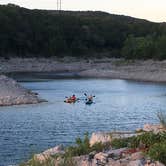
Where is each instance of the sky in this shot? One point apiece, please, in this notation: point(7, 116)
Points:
point(153, 10)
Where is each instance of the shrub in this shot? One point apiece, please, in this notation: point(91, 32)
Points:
point(162, 118)
point(82, 147)
point(158, 152)
point(34, 162)
point(67, 161)
point(120, 143)
point(145, 139)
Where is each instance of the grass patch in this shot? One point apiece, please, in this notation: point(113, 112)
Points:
point(83, 147)
point(158, 152)
point(162, 118)
point(35, 162)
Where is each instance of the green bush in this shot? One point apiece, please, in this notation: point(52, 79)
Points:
point(82, 147)
point(121, 143)
point(34, 162)
point(146, 139)
point(158, 152)
point(162, 118)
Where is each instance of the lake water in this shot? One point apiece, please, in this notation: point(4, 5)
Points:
point(119, 105)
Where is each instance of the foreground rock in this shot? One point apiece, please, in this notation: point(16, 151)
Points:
point(118, 157)
point(12, 93)
point(42, 157)
point(127, 156)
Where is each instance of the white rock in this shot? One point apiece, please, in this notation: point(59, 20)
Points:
point(100, 137)
point(101, 156)
point(153, 128)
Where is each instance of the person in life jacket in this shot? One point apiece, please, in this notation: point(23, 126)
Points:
point(90, 98)
point(73, 97)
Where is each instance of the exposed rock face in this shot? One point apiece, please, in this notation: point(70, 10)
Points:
point(100, 137)
point(42, 157)
point(117, 157)
point(104, 137)
point(12, 93)
point(153, 128)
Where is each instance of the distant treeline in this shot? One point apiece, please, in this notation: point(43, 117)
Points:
point(44, 33)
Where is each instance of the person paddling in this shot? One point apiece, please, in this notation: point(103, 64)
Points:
point(90, 98)
point(73, 98)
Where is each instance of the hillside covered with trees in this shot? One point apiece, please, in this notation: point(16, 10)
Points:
point(44, 33)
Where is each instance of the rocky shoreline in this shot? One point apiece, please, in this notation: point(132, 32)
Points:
point(148, 70)
point(124, 156)
point(12, 93)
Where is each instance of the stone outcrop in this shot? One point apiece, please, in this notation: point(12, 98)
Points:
point(153, 128)
point(42, 157)
point(104, 137)
point(100, 137)
point(12, 93)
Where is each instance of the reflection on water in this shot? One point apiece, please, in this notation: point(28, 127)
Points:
point(119, 105)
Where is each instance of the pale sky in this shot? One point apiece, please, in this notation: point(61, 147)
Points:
point(153, 10)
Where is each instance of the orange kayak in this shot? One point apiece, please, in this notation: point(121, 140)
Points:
point(69, 101)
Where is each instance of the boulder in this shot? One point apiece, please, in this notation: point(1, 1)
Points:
point(100, 137)
point(137, 156)
point(105, 137)
point(116, 153)
point(42, 157)
point(136, 163)
point(101, 158)
point(112, 162)
point(153, 128)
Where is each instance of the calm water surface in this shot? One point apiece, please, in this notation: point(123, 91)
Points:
point(119, 105)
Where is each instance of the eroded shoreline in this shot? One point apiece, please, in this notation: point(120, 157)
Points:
point(139, 70)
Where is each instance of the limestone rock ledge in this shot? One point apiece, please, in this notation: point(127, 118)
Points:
point(12, 93)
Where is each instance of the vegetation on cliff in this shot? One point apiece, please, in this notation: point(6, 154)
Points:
point(149, 143)
point(42, 33)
